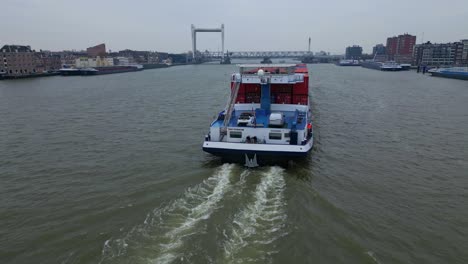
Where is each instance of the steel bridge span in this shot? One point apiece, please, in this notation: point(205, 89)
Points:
point(270, 54)
point(256, 54)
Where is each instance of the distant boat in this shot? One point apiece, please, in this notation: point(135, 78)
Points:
point(100, 70)
point(75, 71)
point(382, 66)
point(308, 59)
point(226, 60)
point(266, 60)
point(391, 66)
point(349, 63)
point(460, 73)
point(405, 67)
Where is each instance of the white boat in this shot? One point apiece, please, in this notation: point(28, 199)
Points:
point(268, 116)
point(405, 66)
point(391, 66)
point(349, 63)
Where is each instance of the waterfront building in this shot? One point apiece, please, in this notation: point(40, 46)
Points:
point(379, 49)
point(461, 53)
point(141, 57)
point(400, 49)
point(406, 43)
point(49, 61)
point(18, 60)
point(68, 57)
point(379, 53)
point(98, 50)
point(434, 54)
point(123, 61)
point(441, 54)
point(392, 46)
point(353, 52)
point(94, 62)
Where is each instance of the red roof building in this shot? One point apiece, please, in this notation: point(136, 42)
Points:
point(401, 48)
point(99, 50)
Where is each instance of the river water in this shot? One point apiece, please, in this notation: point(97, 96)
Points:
point(109, 169)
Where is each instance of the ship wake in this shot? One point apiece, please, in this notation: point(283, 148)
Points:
point(165, 229)
point(259, 223)
point(253, 210)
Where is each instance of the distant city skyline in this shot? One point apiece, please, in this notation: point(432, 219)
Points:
point(250, 25)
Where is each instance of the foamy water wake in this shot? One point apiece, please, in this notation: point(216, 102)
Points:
point(166, 228)
point(259, 223)
point(198, 204)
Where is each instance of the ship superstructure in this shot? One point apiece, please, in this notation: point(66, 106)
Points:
point(267, 118)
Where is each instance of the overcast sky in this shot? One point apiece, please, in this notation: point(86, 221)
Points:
point(249, 24)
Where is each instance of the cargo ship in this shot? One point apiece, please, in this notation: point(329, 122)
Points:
point(382, 66)
point(349, 63)
point(118, 69)
point(99, 70)
point(268, 118)
point(27, 76)
point(460, 73)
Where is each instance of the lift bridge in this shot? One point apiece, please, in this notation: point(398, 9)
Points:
point(210, 55)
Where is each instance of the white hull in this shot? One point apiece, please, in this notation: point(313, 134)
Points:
point(297, 150)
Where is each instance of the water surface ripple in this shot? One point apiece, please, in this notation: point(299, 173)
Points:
point(109, 169)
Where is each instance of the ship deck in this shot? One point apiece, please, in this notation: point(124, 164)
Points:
point(262, 120)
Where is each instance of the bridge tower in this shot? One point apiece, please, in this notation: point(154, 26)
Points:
point(194, 38)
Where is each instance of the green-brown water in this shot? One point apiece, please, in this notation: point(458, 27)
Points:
point(109, 169)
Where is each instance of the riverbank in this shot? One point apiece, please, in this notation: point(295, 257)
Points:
point(145, 67)
point(38, 75)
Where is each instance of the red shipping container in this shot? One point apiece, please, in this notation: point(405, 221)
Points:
point(252, 88)
point(252, 98)
point(240, 99)
point(300, 99)
point(300, 88)
point(281, 88)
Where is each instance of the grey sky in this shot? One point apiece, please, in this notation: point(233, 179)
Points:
point(249, 24)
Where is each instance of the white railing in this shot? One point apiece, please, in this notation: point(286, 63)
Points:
point(273, 78)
